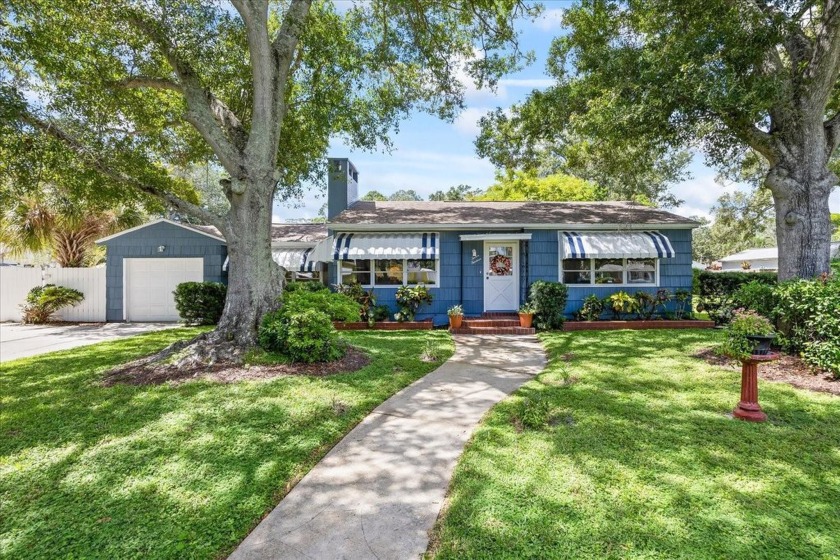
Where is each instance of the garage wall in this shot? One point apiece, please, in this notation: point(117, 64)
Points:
point(179, 242)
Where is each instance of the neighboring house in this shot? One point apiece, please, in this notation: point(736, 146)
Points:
point(761, 260)
point(145, 264)
point(482, 255)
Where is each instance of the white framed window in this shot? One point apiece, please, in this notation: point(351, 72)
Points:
point(610, 272)
point(384, 273)
point(294, 276)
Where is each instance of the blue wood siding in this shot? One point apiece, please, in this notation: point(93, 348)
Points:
point(462, 278)
point(143, 243)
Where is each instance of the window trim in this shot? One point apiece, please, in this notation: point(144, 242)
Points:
point(372, 273)
point(624, 283)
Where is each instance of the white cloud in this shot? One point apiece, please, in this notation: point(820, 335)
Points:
point(537, 83)
point(550, 19)
point(467, 121)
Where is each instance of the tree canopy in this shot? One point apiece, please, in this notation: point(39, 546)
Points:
point(742, 220)
point(641, 82)
point(527, 185)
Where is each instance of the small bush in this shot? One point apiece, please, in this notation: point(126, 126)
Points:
point(410, 298)
point(307, 336)
point(200, 303)
point(755, 296)
point(717, 289)
point(43, 301)
point(380, 312)
point(682, 308)
point(809, 321)
point(292, 287)
point(357, 293)
point(311, 337)
point(337, 307)
point(592, 308)
point(549, 301)
point(622, 304)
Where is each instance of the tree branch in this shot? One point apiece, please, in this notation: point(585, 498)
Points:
point(203, 109)
point(148, 82)
point(760, 141)
point(284, 45)
point(98, 164)
point(824, 63)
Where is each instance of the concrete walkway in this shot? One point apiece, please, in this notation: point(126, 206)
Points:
point(23, 341)
point(378, 492)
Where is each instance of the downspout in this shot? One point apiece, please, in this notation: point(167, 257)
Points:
point(461, 282)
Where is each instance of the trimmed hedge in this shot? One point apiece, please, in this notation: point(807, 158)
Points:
point(549, 301)
point(717, 291)
point(200, 303)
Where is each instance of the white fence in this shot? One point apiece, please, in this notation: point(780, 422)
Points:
point(15, 283)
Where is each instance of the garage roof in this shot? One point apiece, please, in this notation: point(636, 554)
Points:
point(280, 233)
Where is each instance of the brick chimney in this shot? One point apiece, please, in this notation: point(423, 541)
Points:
point(342, 186)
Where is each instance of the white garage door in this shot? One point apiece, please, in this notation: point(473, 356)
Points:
point(149, 284)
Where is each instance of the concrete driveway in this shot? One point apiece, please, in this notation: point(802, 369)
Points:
point(23, 341)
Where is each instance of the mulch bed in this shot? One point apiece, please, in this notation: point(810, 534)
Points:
point(787, 369)
point(353, 360)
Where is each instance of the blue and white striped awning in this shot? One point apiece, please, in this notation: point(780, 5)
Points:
point(348, 246)
point(297, 260)
point(615, 245)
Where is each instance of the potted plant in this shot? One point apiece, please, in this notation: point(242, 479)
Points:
point(526, 315)
point(456, 316)
point(749, 334)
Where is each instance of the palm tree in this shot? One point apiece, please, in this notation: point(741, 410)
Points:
point(65, 227)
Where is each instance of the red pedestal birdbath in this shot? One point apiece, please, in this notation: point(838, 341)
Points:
point(748, 408)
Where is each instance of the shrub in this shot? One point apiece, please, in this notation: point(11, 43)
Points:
point(744, 323)
point(311, 337)
point(717, 289)
point(305, 336)
point(380, 312)
point(549, 301)
point(683, 304)
point(592, 308)
point(410, 298)
point(757, 297)
point(647, 304)
point(338, 307)
point(357, 293)
point(808, 318)
point(200, 303)
point(535, 412)
point(622, 304)
point(43, 301)
point(304, 287)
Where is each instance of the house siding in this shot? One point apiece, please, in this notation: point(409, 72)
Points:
point(143, 243)
point(462, 277)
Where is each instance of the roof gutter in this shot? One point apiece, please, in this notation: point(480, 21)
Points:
point(503, 227)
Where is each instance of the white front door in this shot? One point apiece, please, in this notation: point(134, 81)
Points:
point(501, 275)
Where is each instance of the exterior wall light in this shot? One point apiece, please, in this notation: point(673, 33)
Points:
point(161, 248)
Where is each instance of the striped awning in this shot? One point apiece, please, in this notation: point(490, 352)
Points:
point(297, 260)
point(348, 246)
point(615, 245)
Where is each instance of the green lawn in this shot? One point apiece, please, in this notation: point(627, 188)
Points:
point(640, 460)
point(169, 471)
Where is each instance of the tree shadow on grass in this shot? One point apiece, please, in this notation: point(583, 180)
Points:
point(650, 465)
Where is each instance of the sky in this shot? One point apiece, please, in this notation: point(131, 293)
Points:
point(430, 154)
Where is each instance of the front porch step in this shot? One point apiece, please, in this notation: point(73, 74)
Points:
point(490, 322)
point(493, 330)
point(510, 315)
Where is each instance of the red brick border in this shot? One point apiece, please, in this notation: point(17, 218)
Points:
point(385, 326)
point(635, 325)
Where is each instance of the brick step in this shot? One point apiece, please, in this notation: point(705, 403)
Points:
point(493, 330)
point(504, 315)
point(490, 322)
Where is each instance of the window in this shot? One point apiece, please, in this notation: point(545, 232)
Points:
point(617, 272)
point(389, 272)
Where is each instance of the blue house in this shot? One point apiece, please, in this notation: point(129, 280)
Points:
point(481, 255)
point(485, 255)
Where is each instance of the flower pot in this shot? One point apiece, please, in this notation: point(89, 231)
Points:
point(761, 343)
point(455, 321)
point(525, 320)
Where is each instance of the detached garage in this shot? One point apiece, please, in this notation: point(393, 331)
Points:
point(146, 263)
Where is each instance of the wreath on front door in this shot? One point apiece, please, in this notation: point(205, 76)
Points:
point(500, 265)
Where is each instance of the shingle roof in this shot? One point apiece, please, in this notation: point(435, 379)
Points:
point(280, 233)
point(506, 213)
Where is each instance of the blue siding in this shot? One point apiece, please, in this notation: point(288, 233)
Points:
point(179, 242)
point(542, 258)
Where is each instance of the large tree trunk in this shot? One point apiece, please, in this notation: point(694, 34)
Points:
point(255, 281)
point(801, 183)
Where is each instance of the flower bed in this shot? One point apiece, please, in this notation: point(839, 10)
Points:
point(636, 325)
point(385, 325)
